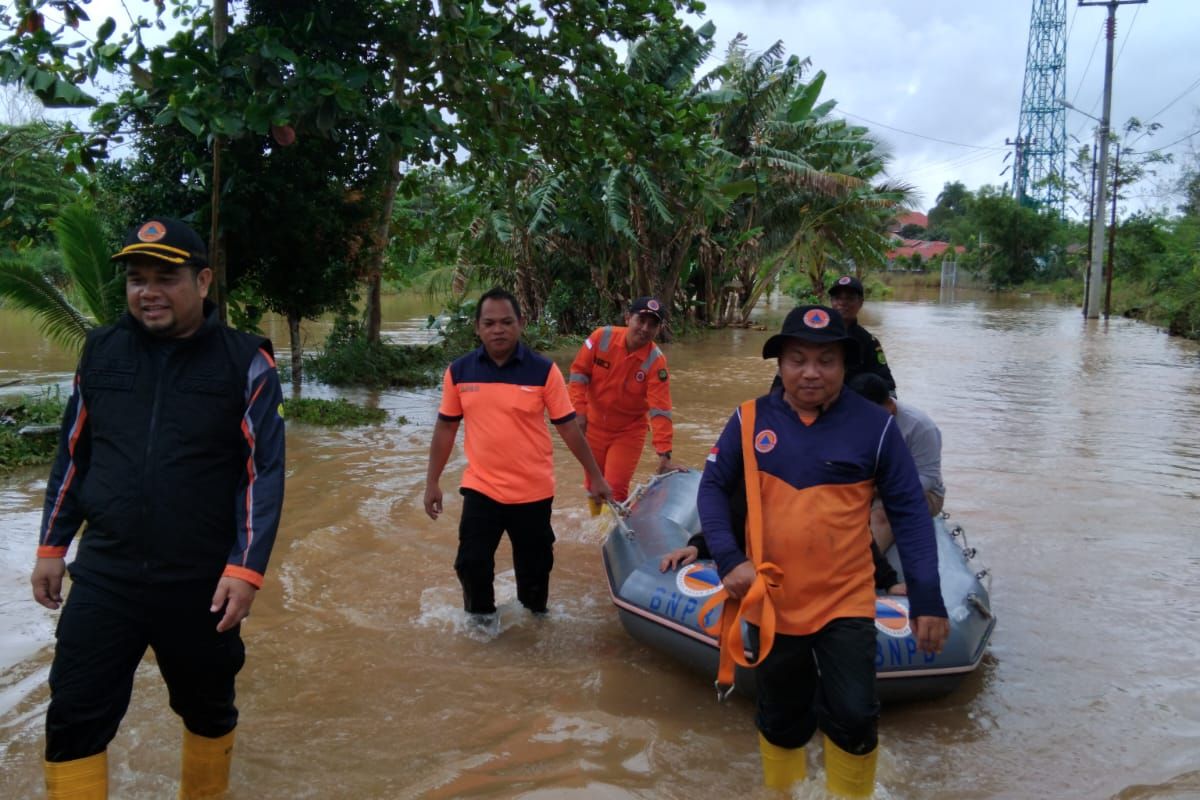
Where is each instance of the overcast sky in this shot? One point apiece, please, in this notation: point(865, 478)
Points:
point(954, 70)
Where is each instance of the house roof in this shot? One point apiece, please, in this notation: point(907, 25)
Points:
point(909, 218)
point(926, 250)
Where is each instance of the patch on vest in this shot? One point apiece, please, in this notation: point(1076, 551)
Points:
point(639, 376)
point(765, 442)
point(662, 374)
point(600, 362)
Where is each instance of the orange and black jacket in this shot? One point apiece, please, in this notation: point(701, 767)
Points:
point(172, 453)
point(816, 482)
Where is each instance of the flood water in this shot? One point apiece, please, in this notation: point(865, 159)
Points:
point(1072, 458)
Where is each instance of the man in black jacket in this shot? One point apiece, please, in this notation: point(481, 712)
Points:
point(846, 295)
point(172, 454)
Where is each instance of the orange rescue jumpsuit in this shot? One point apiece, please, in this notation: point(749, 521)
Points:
point(615, 391)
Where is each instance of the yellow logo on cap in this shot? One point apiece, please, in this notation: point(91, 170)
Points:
point(152, 231)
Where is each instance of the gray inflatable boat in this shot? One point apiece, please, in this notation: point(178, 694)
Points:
point(662, 609)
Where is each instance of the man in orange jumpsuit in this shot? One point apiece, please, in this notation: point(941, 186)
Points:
point(618, 380)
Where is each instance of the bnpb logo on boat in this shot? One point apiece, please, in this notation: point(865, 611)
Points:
point(698, 580)
point(891, 618)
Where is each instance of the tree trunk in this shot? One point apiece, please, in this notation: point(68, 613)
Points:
point(293, 320)
point(762, 284)
point(383, 229)
point(220, 25)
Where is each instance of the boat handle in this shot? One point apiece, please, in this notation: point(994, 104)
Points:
point(619, 514)
point(980, 606)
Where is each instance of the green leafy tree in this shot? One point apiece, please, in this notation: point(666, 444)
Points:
point(35, 181)
point(950, 218)
point(1017, 239)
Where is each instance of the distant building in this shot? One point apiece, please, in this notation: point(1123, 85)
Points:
point(928, 251)
point(908, 218)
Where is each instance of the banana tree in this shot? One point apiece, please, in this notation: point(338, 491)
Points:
point(96, 284)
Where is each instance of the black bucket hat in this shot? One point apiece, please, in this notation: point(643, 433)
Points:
point(819, 324)
point(165, 239)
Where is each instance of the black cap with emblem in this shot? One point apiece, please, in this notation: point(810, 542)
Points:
point(165, 239)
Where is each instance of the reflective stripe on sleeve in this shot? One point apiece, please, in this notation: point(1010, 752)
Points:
point(655, 354)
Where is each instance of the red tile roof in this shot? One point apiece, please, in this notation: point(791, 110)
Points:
point(926, 250)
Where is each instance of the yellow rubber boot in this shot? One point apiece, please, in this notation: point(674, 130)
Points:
point(848, 775)
point(205, 765)
point(782, 766)
point(79, 779)
point(595, 506)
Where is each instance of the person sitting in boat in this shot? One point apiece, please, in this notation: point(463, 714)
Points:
point(811, 456)
point(924, 441)
point(618, 381)
point(886, 578)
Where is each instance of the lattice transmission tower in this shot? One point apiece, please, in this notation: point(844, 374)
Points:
point(1041, 154)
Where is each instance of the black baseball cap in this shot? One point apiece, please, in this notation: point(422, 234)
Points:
point(847, 283)
point(819, 324)
point(647, 305)
point(165, 239)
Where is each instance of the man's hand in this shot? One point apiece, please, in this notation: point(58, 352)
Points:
point(739, 580)
point(47, 581)
point(600, 491)
point(236, 596)
point(931, 633)
point(433, 500)
point(678, 558)
point(665, 464)
point(898, 588)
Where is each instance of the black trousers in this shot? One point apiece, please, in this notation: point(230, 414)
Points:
point(823, 680)
point(102, 636)
point(528, 526)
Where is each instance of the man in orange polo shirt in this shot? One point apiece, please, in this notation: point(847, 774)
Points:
point(618, 379)
point(504, 390)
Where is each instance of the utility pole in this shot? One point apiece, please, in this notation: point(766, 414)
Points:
point(1019, 167)
point(1087, 276)
point(1096, 273)
point(1112, 234)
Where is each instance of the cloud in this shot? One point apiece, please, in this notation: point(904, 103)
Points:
point(954, 71)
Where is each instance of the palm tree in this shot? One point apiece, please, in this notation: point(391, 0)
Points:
point(95, 282)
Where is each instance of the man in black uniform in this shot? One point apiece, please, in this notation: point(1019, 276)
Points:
point(171, 453)
point(846, 295)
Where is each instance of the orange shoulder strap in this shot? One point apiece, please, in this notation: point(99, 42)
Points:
point(768, 579)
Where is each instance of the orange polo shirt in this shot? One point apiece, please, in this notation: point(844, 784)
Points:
point(616, 389)
point(510, 457)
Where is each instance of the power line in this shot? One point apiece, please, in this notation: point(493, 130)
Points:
point(1079, 88)
point(954, 163)
point(1182, 95)
point(920, 135)
point(1172, 144)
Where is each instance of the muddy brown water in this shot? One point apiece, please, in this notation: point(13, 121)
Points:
point(1072, 458)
